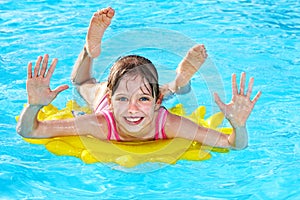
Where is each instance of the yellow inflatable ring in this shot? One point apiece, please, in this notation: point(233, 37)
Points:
point(129, 154)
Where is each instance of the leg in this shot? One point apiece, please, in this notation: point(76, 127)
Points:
point(81, 74)
point(82, 68)
point(99, 23)
point(190, 64)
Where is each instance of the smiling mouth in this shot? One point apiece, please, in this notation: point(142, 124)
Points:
point(133, 120)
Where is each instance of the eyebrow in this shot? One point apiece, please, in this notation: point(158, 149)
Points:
point(144, 91)
point(120, 94)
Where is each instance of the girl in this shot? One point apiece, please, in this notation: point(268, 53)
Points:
point(92, 91)
point(130, 108)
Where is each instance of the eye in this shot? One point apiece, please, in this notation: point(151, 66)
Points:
point(123, 99)
point(144, 99)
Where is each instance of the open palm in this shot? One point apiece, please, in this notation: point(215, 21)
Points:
point(38, 89)
point(241, 106)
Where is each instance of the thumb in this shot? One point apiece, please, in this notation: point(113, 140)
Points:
point(60, 89)
point(219, 102)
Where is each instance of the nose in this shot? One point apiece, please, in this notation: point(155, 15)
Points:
point(133, 108)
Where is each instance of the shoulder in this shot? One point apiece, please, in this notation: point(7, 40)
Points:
point(171, 116)
point(173, 122)
point(102, 120)
point(103, 125)
point(99, 92)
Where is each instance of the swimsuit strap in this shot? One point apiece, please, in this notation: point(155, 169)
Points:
point(111, 124)
point(160, 124)
point(112, 130)
point(103, 105)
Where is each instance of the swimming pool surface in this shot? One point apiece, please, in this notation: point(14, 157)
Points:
point(261, 38)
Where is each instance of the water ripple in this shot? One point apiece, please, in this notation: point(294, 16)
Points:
point(259, 37)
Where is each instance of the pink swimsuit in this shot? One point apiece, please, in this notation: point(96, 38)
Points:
point(112, 129)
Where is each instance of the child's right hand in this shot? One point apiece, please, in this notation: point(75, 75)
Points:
point(38, 89)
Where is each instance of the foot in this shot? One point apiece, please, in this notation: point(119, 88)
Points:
point(190, 64)
point(99, 23)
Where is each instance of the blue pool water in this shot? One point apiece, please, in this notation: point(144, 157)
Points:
point(261, 38)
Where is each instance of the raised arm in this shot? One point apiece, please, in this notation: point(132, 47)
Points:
point(81, 75)
point(39, 95)
point(237, 112)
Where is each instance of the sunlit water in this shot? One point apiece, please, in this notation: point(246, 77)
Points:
point(258, 37)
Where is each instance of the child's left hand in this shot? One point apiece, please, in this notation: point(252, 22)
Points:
point(240, 107)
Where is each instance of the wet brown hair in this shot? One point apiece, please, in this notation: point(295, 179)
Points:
point(134, 65)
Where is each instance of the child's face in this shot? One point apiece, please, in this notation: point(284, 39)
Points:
point(133, 106)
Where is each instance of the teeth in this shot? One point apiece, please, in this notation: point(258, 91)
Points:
point(133, 119)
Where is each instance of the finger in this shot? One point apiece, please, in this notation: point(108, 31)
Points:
point(60, 89)
point(242, 83)
point(29, 70)
point(44, 65)
point(250, 86)
point(203, 52)
point(200, 48)
point(37, 66)
point(234, 86)
point(255, 99)
point(219, 102)
point(52, 68)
